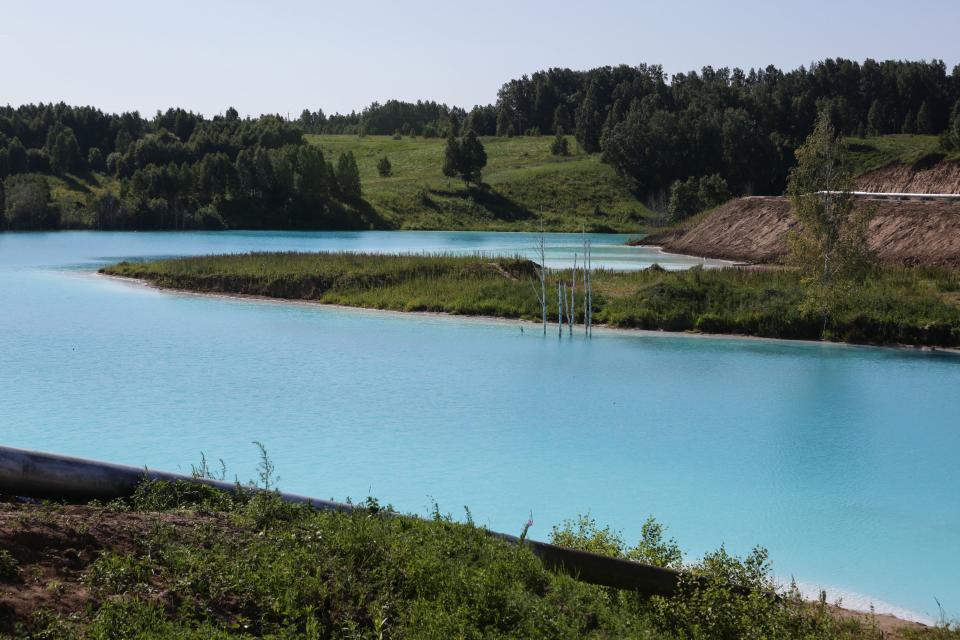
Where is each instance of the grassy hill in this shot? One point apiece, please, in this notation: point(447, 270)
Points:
point(521, 174)
point(867, 154)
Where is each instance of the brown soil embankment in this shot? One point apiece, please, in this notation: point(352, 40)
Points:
point(925, 176)
point(755, 230)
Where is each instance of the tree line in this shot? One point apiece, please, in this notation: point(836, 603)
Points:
point(176, 171)
point(743, 126)
point(683, 141)
point(655, 130)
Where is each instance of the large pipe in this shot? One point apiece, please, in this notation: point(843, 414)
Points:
point(43, 475)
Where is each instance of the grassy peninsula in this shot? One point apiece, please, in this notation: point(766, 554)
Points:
point(182, 560)
point(899, 305)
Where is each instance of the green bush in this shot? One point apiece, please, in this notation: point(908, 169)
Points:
point(9, 568)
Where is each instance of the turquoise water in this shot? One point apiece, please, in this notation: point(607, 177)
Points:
point(843, 461)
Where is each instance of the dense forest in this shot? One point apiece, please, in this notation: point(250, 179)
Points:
point(176, 171)
point(655, 130)
point(181, 170)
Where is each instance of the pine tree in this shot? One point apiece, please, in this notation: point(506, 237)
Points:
point(924, 120)
point(875, 119)
point(348, 176)
point(473, 158)
point(560, 146)
point(465, 158)
point(384, 168)
point(451, 157)
point(909, 123)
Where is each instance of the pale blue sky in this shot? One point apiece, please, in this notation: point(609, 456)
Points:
point(277, 56)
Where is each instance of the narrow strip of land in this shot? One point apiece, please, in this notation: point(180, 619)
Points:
point(906, 306)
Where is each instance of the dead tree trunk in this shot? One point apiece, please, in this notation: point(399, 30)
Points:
point(559, 309)
point(541, 271)
point(573, 294)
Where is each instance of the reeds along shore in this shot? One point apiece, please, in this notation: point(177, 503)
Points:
point(897, 305)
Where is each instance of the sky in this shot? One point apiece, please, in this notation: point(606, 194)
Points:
point(283, 56)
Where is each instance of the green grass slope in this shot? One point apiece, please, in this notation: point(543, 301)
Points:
point(867, 154)
point(522, 176)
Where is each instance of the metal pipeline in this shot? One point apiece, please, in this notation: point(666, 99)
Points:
point(43, 475)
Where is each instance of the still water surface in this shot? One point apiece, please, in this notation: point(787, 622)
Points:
point(843, 461)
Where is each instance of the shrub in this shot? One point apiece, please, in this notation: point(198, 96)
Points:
point(113, 574)
point(384, 168)
point(560, 146)
point(9, 568)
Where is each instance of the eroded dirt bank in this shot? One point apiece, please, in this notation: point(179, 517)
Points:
point(755, 229)
point(922, 177)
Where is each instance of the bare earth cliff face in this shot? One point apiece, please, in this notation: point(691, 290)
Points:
point(754, 229)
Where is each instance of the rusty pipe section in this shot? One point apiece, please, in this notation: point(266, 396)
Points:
point(43, 475)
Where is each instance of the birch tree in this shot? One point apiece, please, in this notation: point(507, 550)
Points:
point(831, 247)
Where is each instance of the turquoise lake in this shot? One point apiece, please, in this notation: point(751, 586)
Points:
point(843, 461)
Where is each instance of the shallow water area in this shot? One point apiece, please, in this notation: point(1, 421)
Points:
point(841, 460)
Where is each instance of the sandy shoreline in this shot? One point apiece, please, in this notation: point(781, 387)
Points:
point(524, 324)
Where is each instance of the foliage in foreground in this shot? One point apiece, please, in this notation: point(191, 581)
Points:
point(895, 305)
point(253, 566)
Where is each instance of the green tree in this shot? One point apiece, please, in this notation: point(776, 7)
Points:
point(831, 247)
point(95, 159)
point(451, 157)
point(925, 120)
point(560, 146)
point(64, 152)
point(590, 120)
point(465, 158)
point(712, 191)
point(474, 157)
point(384, 168)
point(950, 139)
point(876, 119)
point(684, 199)
point(562, 121)
point(217, 175)
point(909, 123)
point(17, 157)
point(311, 181)
point(28, 203)
point(348, 176)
